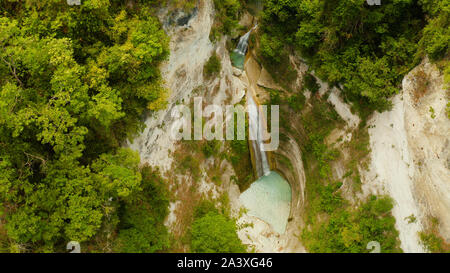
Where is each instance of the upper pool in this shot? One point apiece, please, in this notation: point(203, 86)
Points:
point(237, 59)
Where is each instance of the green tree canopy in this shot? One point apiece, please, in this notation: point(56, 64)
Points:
point(74, 84)
point(367, 49)
point(214, 233)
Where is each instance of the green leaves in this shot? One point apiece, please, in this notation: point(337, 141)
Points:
point(149, 41)
point(349, 230)
point(271, 47)
point(227, 14)
point(142, 228)
point(106, 106)
point(214, 233)
point(436, 36)
point(366, 49)
point(212, 66)
point(9, 98)
point(74, 82)
point(373, 80)
point(7, 177)
point(118, 173)
point(308, 35)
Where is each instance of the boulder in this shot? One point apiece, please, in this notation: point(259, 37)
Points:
point(237, 72)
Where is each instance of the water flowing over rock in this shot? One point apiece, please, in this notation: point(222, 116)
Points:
point(270, 226)
point(238, 55)
point(256, 132)
point(243, 43)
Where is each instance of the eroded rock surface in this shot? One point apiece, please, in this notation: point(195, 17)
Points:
point(410, 155)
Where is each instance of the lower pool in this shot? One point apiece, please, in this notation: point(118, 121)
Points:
point(269, 199)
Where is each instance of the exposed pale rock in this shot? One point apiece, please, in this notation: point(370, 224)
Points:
point(73, 2)
point(253, 69)
point(266, 80)
point(343, 109)
point(237, 72)
point(410, 154)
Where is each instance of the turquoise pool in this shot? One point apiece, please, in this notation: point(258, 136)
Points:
point(237, 59)
point(269, 199)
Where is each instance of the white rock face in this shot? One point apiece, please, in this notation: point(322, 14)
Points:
point(392, 166)
point(190, 48)
point(429, 137)
point(410, 157)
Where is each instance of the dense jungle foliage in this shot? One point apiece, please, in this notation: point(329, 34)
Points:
point(74, 84)
point(364, 49)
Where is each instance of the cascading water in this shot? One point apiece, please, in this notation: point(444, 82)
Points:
point(269, 197)
point(256, 128)
point(243, 43)
point(238, 55)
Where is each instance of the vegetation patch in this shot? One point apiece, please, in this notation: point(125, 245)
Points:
point(75, 83)
point(238, 154)
point(214, 231)
point(212, 66)
point(141, 228)
point(431, 238)
point(367, 50)
point(227, 15)
point(332, 223)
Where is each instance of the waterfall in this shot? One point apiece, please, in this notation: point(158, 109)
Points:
point(243, 43)
point(238, 55)
point(256, 132)
point(269, 197)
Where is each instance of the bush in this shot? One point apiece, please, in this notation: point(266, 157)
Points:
point(310, 83)
point(212, 66)
point(215, 233)
point(211, 148)
point(367, 50)
point(349, 230)
point(296, 102)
